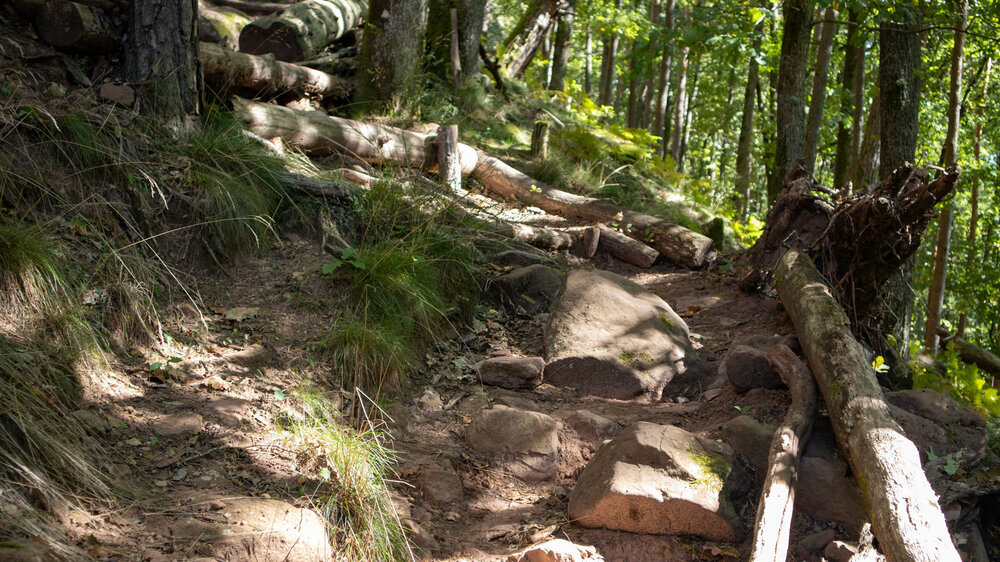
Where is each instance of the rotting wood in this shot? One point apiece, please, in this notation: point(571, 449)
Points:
point(69, 25)
point(380, 144)
point(590, 239)
point(627, 249)
point(229, 70)
point(906, 517)
point(302, 30)
point(777, 499)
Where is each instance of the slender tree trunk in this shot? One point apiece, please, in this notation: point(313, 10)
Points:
point(970, 240)
point(864, 169)
point(649, 85)
point(746, 128)
point(823, 54)
point(666, 62)
point(935, 297)
point(547, 49)
point(851, 95)
point(564, 33)
point(161, 60)
point(680, 98)
point(608, 62)
point(588, 66)
point(632, 112)
point(392, 49)
point(533, 28)
point(790, 133)
point(471, 14)
point(689, 115)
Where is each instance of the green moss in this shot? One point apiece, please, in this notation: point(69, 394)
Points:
point(667, 321)
point(714, 470)
point(634, 360)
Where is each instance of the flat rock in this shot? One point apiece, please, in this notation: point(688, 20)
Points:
point(120, 94)
point(825, 493)
point(591, 427)
point(935, 421)
point(610, 337)
point(557, 550)
point(658, 479)
point(526, 443)
point(270, 529)
point(746, 364)
point(440, 483)
point(230, 411)
point(517, 258)
point(532, 288)
point(750, 439)
point(511, 371)
point(176, 425)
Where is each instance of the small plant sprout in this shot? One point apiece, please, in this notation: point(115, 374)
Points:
point(879, 365)
point(742, 409)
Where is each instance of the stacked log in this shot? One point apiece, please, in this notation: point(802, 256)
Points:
point(220, 25)
point(303, 30)
point(227, 70)
point(69, 25)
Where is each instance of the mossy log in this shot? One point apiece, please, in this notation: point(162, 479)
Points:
point(228, 70)
point(221, 26)
point(904, 510)
point(777, 498)
point(380, 144)
point(302, 30)
point(69, 25)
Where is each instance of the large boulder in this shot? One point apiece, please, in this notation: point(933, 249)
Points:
point(751, 440)
point(524, 443)
point(933, 421)
point(608, 336)
point(659, 479)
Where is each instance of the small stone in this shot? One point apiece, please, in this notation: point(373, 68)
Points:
point(215, 383)
point(160, 483)
point(216, 505)
point(512, 372)
point(557, 550)
point(181, 474)
point(839, 551)
point(119, 94)
point(430, 401)
point(421, 537)
point(441, 484)
point(817, 541)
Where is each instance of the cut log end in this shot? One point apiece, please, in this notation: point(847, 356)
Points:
point(59, 23)
point(278, 39)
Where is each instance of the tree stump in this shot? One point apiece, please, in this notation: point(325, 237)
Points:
point(540, 140)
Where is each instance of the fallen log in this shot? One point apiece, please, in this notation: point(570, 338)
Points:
point(627, 249)
point(69, 25)
point(252, 7)
point(971, 353)
point(228, 70)
point(302, 30)
point(906, 517)
point(221, 26)
point(319, 188)
point(589, 241)
point(341, 63)
point(777, 499)
point(380, 144)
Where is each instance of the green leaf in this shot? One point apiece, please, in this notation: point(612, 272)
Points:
point(348, 253)
point(329, 268)
point(155, 365)
point(174, 360)
point(279, 394)
point(950, 466)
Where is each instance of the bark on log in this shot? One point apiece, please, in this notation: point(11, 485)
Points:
point(627, 249)
point(228, 70)
point(342, 63)
point(905, 514)
point(319, 188)
point(777, 499)
point(252, 7)
point(68, 25)
point(302, 30)
point(449, 166)
point(589, 241)
point(380, 144)
point(221, 26)
point(971, 353)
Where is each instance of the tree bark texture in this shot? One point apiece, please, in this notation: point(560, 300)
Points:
point(649, 83)
point(777, 499)
point(560, 57)
point(905, 514)
point(746, 128)
point(540, 140)
point(392, 49)
point(471, 14)
point(69, 25)
point(852, 79)
point(303, 30)
point(790, 118)
point(227, 71)
point(680, 98)
point(820, 74)
point(448, 157)
point(609, 59)
point(221, 26)
point(161, 60)
point(529, 34)
point(899, 64)
point(380, 144)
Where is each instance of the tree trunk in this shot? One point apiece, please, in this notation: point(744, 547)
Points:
point(689, 104)
point(471, 14)
point(939, 280)
point(680, 99)
point(649, 84)
point(746, 128)
point(608, 63)
point(220, 25)
point(820, 75)
point(777, 498)
point(161, 61)
point(864, 170)
point(588, 64)
point(302, 30)
point(392, 49)
point(970, 240)
point(529, 34)
point(852, 80)
point(560, 58)
point(899, 65)
point(627, 249)
point(790, 131)
point(448, 157)
point(904, 510)
point(227, 70)
point(660, 119)
point(68, 25)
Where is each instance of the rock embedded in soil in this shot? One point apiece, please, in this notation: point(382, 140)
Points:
point(591, 427)
point(532, 288)
point(750, 439)
point(557, 550)
point(440, 483)
point(610, 337)
point(177, 425)
point(934, 421)
point(825, 493)
point(512, 372)
point(659, 479)
point(524, 443)
point(816, 541)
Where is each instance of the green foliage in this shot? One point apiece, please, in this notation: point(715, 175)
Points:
point(963, 382)
point(352, 467)
point(26, 261)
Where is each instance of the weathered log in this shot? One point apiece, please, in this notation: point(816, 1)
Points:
point(904, 510)
point(777, 499)
point(228, 70)
point(302, 30)
point(357, 178)
point(319, 188)
point(590, 239)
point(252, 7)
point(380, 144)
point(540, 140)
point(69, 25)
point(971, 353)
point(221, 26)
point(344, 62)
point(449, 166)
point(627, 249)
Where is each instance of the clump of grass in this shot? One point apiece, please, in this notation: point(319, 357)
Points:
point(411, 277)
point(27, 267)
point(236, 182)
point(354, 465)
